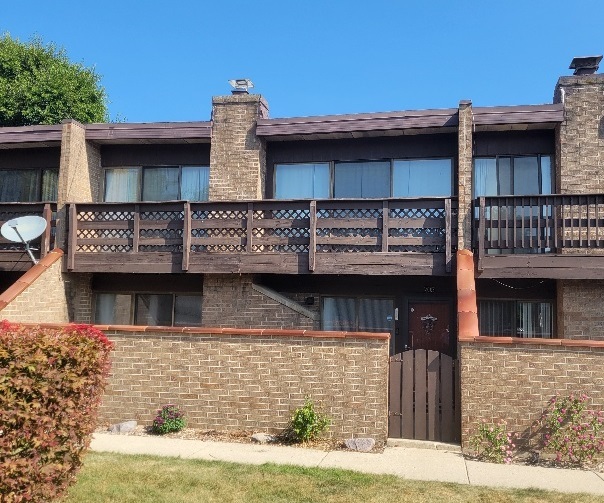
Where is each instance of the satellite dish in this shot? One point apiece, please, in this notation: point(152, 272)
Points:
point(23, 230)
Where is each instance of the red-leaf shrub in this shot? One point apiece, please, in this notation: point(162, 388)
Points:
point(51, 384)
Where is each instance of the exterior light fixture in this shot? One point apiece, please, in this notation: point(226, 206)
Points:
point(241, 86)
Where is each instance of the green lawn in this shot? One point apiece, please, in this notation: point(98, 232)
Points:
point(139, 479)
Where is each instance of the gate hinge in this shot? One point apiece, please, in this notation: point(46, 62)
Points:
point(394, 413)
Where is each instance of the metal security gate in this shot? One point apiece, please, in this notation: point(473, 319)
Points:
point(424, 396)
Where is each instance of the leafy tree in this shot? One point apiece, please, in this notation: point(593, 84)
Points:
point(39, 85)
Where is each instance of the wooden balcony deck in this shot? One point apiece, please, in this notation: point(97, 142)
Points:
point(12, 255)
point(361, 236)
point(549, 236)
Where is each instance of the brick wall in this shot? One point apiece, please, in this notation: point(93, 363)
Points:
point(43, 299)
point(514, 379)
point(230, 301)
point(580, 309)
point(464, 162)
point(238, 156)
point(233, 379)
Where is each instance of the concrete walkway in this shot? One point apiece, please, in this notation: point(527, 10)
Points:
point(407, 462)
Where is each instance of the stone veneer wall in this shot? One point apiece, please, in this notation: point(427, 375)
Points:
point(38, 296)
point(513, 379)
point(238, 156)
point(580, 307)
point(230, 379)
point(230, 301)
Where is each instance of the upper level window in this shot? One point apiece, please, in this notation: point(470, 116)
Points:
point(367, 179)
point(157, 183)
point(512, 175)
point(28, 185)
point(302, 181)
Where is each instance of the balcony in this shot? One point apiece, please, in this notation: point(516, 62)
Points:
point(553, 236)
point(12, 255)
point(361, 236)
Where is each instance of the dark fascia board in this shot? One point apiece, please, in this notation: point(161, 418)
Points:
point(413, 119)
point(31, 134)
point(518, 114)
point(106, 133)
point(382, 121)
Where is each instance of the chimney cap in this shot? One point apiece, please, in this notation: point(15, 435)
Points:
point(241, 86)
point(585, 65)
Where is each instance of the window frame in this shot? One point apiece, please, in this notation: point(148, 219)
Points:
point(551, 302)
point(40, 184)
point(357, 299)
point(512, 157)
point(332, 164)
point(134, 298)
point(141, 179)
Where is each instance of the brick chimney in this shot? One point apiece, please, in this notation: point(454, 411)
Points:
point(237, 156)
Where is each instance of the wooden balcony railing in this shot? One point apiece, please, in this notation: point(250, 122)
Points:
point(260, 236)
point(538, 224)
point(45, 243)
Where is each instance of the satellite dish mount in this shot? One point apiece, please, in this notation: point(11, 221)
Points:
point(24, 230)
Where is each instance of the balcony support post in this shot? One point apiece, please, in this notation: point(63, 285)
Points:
point(73, 236)
point(249, 227)
point(448, 252)
point(186, 236)
point(312, 241)
point(45, 239)
point(136, 227)
point(481, 232)
point(385, 225)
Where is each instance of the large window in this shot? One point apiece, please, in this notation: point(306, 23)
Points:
point(302, 181)
point(357, 314)
point(367, 179)
point(512, 175)
point(516, 318)
point(28, 185)
point(148, 309)
point(157, 183)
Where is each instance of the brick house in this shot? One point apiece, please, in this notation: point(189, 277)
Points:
point(275, 241)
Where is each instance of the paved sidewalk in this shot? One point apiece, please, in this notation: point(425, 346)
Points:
point(406, 462)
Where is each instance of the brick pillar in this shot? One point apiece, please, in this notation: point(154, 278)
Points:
point(580, 137)
point(464, 166)
point(80, 173)
point(237, 156)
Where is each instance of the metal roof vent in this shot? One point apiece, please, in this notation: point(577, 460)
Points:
point(241, 86)
point(585, 65)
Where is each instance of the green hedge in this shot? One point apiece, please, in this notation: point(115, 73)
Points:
point(51, 384)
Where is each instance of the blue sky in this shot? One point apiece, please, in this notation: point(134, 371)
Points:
point(164, 60)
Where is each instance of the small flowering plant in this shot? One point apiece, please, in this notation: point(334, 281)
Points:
point(169, 419)
point(572, 431)
point(493, 443)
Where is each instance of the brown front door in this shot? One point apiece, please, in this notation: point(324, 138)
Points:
point(430, 325)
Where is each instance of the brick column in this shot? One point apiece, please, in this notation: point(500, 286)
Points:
point(464, 169)
point(238, 156)
point(580, 137)
point(80, 173)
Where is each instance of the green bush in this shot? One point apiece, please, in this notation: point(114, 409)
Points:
point(307, 423)
point(51, 384)
point(169, 419)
